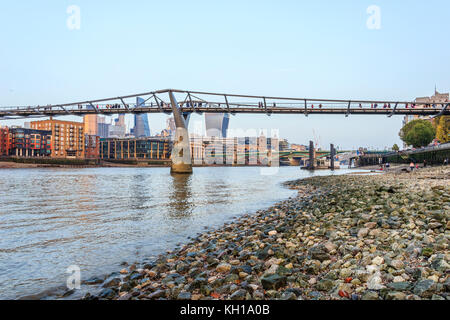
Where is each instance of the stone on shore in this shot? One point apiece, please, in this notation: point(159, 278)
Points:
point(223, 268)
point(342, 237)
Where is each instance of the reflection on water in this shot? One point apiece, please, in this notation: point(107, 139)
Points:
point(99, 217)
point(180, 203)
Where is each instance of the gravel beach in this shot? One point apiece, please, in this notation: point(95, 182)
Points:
point(358, 237)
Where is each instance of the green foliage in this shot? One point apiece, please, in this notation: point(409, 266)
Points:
point(418, 133)
point(443, 129)
point(395, 147)
point(407, 127)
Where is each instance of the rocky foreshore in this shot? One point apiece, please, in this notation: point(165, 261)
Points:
point(358, 237)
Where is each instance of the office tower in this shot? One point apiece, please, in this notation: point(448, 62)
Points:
point(141, 126)
point(120, 121)
point(102, 127)
point(217, 124)
point(90, 124)
point(118, 129)
point(170, 124)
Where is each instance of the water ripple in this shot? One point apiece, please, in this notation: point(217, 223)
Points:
point(98, 217)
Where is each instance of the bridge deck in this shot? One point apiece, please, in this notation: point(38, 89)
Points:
point(23, 113)
point(203, 102)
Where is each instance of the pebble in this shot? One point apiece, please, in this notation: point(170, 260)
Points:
point(377, 261)
point(355, 237)
point(223, 267)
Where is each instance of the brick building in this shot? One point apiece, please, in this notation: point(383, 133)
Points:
point(67, 137)
point(91, 146)
point(4, 141)
point(29, 143)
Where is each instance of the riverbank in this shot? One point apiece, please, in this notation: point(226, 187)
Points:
point(14, 165)
point(64, 163)
point(105, 164)
point(343, 237)
point(18, 165)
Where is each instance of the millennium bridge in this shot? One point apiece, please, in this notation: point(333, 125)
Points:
point(166, 101)
point(199, 102)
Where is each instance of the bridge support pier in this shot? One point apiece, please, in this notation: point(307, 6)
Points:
point(181, 150)
point(332, 155)
point(311, 156)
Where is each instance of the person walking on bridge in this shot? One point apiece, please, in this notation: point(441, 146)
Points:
point(411, 166)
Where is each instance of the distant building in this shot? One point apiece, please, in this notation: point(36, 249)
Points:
point(91, 124)
point(434, 99)
point(233, 151)
point(120, 121)
point(165, 133)
point(135, 149)
point(170, 124)
point(116, 131)
point(299, 147)
point(4, 141)
point(141, 126)
point(91, 147)
point(102, 128)
point(217, 124)
point(283, 144)
point(29, 143)
point(67, 137)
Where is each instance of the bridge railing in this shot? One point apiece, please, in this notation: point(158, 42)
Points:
point(191, 101)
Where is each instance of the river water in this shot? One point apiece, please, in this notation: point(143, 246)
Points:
point(98, 218)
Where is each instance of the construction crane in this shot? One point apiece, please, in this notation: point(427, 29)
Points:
point(316, 139)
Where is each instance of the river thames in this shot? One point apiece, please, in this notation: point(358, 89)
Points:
point(98, 218)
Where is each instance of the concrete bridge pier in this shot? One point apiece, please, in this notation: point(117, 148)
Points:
point(311, 156)
point(332, 155)
point(181, 150)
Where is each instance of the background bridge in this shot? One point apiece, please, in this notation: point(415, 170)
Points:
point(209, 102)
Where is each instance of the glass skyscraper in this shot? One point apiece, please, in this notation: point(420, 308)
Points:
point(217, 124)
point(141, 126)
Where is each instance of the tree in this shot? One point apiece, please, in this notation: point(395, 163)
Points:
point(395, 147)
point(443, 129)
point(418, 133)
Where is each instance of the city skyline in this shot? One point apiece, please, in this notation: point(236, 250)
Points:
point(215, 124)
point(293, 54)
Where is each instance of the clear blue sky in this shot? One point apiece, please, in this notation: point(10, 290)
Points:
point(294, 48)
